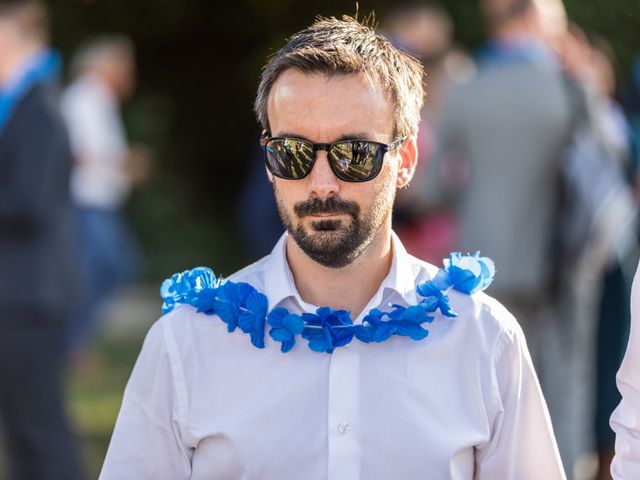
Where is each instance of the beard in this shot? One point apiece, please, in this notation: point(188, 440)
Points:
point(336, 243)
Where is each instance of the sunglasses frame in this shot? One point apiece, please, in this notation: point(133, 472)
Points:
point(327, 147)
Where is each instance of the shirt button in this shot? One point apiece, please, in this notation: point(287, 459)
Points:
point(343, 428)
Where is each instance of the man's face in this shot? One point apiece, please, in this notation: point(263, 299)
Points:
point(331, 220)
point(119, 70)
point(8, 33)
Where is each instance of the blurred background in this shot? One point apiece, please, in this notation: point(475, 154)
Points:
point(196, 192)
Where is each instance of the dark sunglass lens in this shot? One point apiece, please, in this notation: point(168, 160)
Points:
point(356, 161)
point(289, 157)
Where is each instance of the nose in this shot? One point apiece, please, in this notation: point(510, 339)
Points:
point(322, 181)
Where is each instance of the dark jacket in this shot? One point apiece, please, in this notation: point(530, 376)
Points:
point(38, 268)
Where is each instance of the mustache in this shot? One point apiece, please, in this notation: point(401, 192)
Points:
point(335, 205)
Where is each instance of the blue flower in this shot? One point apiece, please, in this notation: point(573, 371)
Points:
point(230, 296)
point(319, 339)
point(195, 287)
point(285, 327)
point(407, 321)
point(367, 331)
point(327, 329)
point(434, 297)
point(252, 317)
point(468, 273)
point(378, 330)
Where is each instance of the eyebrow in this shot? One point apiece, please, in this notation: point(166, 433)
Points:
point(350, 136)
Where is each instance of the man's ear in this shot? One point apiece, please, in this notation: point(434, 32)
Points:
point(408, 161)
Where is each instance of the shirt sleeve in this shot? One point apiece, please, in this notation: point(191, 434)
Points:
point(625, 420)
point(147, 441)
point(522, 444)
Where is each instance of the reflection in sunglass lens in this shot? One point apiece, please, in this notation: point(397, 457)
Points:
point(356, 160)
point(289, 157)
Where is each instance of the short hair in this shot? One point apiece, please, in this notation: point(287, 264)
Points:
point(94, 51)
point(30, 16)
point(343, 47)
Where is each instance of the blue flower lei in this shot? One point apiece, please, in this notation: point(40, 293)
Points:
point(240, 305)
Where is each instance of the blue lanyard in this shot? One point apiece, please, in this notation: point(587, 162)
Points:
point(40, 68)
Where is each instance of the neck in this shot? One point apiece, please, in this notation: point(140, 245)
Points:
point(13, 61)
point(347, 288)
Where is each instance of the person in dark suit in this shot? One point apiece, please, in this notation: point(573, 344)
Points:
point(37, 286)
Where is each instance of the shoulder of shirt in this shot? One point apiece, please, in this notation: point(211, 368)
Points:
point(479, 306)
point(253, 273)
point(421, 270)
point(178, 329)
point(491, 320)
point(187, 317)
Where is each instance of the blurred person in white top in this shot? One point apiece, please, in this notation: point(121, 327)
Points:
point(104, 76)
point(625, 420)
point(105, 169)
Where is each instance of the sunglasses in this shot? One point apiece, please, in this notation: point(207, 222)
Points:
point(350, 160)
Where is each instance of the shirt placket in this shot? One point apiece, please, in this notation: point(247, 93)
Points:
point(343, 418)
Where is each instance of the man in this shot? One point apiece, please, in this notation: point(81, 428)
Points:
point(625, 420)
point(36, 261)
point(511, 126)
point(464, 402)
point(104, 172)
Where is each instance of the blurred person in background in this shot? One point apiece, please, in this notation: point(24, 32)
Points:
point(602, 300)
point(38, 282)
point(105, 170)
point(511, 125)
point(256, 215)
point(625, 420)
point(613, 321)
point(426, 32)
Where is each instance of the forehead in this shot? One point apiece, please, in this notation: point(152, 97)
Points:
point(324, 108)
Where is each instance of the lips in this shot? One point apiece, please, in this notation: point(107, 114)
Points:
point(325, 215)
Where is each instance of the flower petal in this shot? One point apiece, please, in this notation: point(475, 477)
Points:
point(293, 323)
point(276, 317)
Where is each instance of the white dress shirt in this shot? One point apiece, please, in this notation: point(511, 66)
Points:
point(464, 403)
point(625, 420)
point(98, 142)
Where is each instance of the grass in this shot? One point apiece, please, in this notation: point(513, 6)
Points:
point(94, 395)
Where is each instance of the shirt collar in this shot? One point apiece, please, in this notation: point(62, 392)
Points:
point(279, 283)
